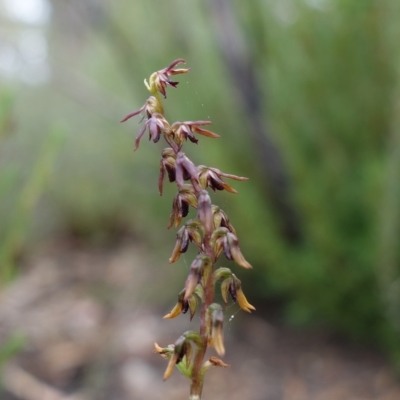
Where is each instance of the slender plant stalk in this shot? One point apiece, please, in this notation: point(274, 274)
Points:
point(211, 231)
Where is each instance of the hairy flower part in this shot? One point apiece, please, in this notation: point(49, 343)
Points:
point(204, 211)
point(182, 131)
point(212, 177)
point(167, 164)
point(151, 106)
point(220, 219)
point(180, 206)
point(217, 333)
point(185, 169)
point(160, 80)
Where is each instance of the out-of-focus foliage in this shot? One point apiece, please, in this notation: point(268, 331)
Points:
point(20, 196)
point(327, 100)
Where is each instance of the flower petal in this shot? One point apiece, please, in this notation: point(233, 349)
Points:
point(177, 310)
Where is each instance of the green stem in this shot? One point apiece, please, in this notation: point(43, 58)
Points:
point(196, 387)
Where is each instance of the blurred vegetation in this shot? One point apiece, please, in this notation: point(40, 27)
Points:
point(20, 196)
point(306, 96)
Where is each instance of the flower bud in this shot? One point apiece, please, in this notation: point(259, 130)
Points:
point(204, 212)
point(198, 267)
point(194, 277)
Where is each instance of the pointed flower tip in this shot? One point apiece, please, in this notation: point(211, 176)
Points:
point(174, 312)
point(170, 316)
point(219, 348)
point(249, 308)
point(217, 362)
point(175, 63)
point(170, 368)
point(242, 301)
point(239, 259)
point(129, 116)
point(157, 348)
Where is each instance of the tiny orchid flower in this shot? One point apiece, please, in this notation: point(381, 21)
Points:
point(157, 124)
point(160, 79)
point(185, 169)
point(233, 286)
point(183, 131)
point(180, 207)
point(220, 219)
point(180, 349)
point(190, 232)
point(224, 240)
point(212, 177)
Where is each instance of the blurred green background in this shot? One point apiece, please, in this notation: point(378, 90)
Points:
point(306, 97)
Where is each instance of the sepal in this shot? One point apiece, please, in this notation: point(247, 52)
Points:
point(216, 319)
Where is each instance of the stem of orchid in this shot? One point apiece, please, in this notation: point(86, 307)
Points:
point(196, 387)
